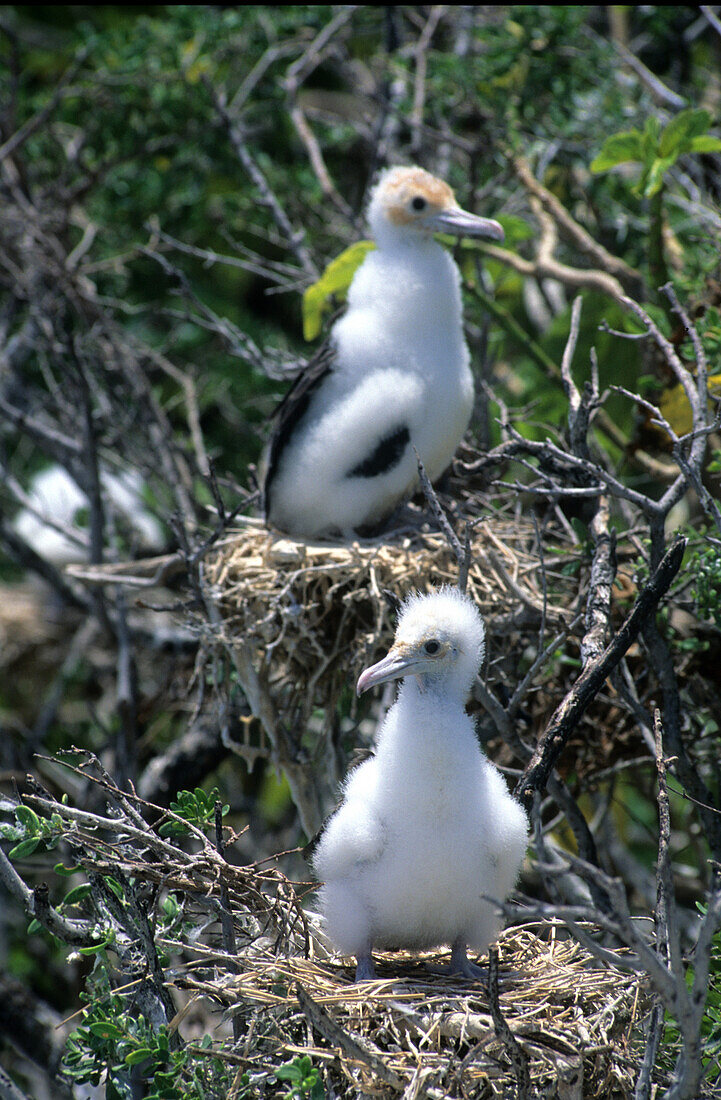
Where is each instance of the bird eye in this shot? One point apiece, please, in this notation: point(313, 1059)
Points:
point(432, 647)
point(419, 203)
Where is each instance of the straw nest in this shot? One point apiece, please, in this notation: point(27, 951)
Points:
point(412, 1033)
point(309, 617)
point(241, 943)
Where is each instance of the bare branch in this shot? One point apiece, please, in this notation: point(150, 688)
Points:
point(568, 714)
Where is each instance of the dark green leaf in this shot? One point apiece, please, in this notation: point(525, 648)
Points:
point(114, 885)
point(94, 949)
point(137, 1056)
point(104, 1029)
point(289, 1072)
point(61, 869)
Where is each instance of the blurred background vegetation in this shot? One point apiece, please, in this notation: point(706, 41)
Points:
point(152, 143)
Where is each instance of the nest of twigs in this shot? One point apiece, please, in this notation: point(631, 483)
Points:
point(309, 616)
point(240, 943)
point(411, 1033)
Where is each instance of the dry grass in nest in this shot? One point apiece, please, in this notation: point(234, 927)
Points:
point(306, 618)
point(413, 1033)
point(241, 942)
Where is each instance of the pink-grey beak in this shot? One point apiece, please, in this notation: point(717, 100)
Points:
point(393, 666)
point(462, 224)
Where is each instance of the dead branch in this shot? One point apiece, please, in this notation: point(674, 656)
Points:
point(586, 687)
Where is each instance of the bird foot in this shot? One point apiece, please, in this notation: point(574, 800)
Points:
point(471, 971)
point(461, 966)
point(364, 971)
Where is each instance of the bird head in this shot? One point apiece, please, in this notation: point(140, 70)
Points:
point(412, 204)
point(440, 639)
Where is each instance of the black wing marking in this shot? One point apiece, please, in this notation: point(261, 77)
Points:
point(385, 455)
point(290, 412)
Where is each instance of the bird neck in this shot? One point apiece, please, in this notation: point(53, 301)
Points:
point(435, 692)
point(412, 283)
point(426, 730)
point(391, 240)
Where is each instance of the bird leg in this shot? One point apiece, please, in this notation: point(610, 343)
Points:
point(365, 971)
point(461, 964)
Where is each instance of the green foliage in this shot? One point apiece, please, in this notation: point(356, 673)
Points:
point(333, 283)
point(196, 807)
point(304, 1079)
point(32, 832)
point(113, 1045)
point(656, 150)
point(705, 568)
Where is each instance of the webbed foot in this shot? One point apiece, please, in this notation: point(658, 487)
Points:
point(462, 965)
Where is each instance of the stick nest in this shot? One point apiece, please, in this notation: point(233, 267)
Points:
point(411, 1033)
point(307, 618)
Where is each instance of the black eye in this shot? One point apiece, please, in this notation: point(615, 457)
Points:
point(419, 203)
point(432, 647)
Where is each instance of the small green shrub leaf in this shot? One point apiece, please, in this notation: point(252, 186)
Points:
point(653, 178)
point(137, 1056)
point(335, 280)
point(66, 872)
point(27, 817)
point(681, 130)
point(77, 894)
point(289, 1072)
point(618, 149)
point(24, 848)
point(705, 143)
point(105, 1029)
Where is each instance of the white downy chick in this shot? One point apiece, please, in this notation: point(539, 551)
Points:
point(55, 501)
point(427, 831)
point(394, 373)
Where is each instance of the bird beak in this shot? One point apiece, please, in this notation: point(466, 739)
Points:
point(462, 224)
point(393, 666)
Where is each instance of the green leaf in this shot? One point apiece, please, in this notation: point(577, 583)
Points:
point(707, 143)
point(27, 817)
point(114, 885)
point(137, 1056)
point(77, 894)
point(682, 129)
point(653, 179)
point(335, 280)
point(93, 950)
point(649, 139)
point(104, 1029)
point(289, 1072)
point(618, 149)
point(34, 926)
point(61, 869)
point(24, 848)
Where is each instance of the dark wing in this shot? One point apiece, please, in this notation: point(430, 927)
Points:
point(290, 412)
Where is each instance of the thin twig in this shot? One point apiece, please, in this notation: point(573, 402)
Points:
point(518, 1057)
point(589, 683)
